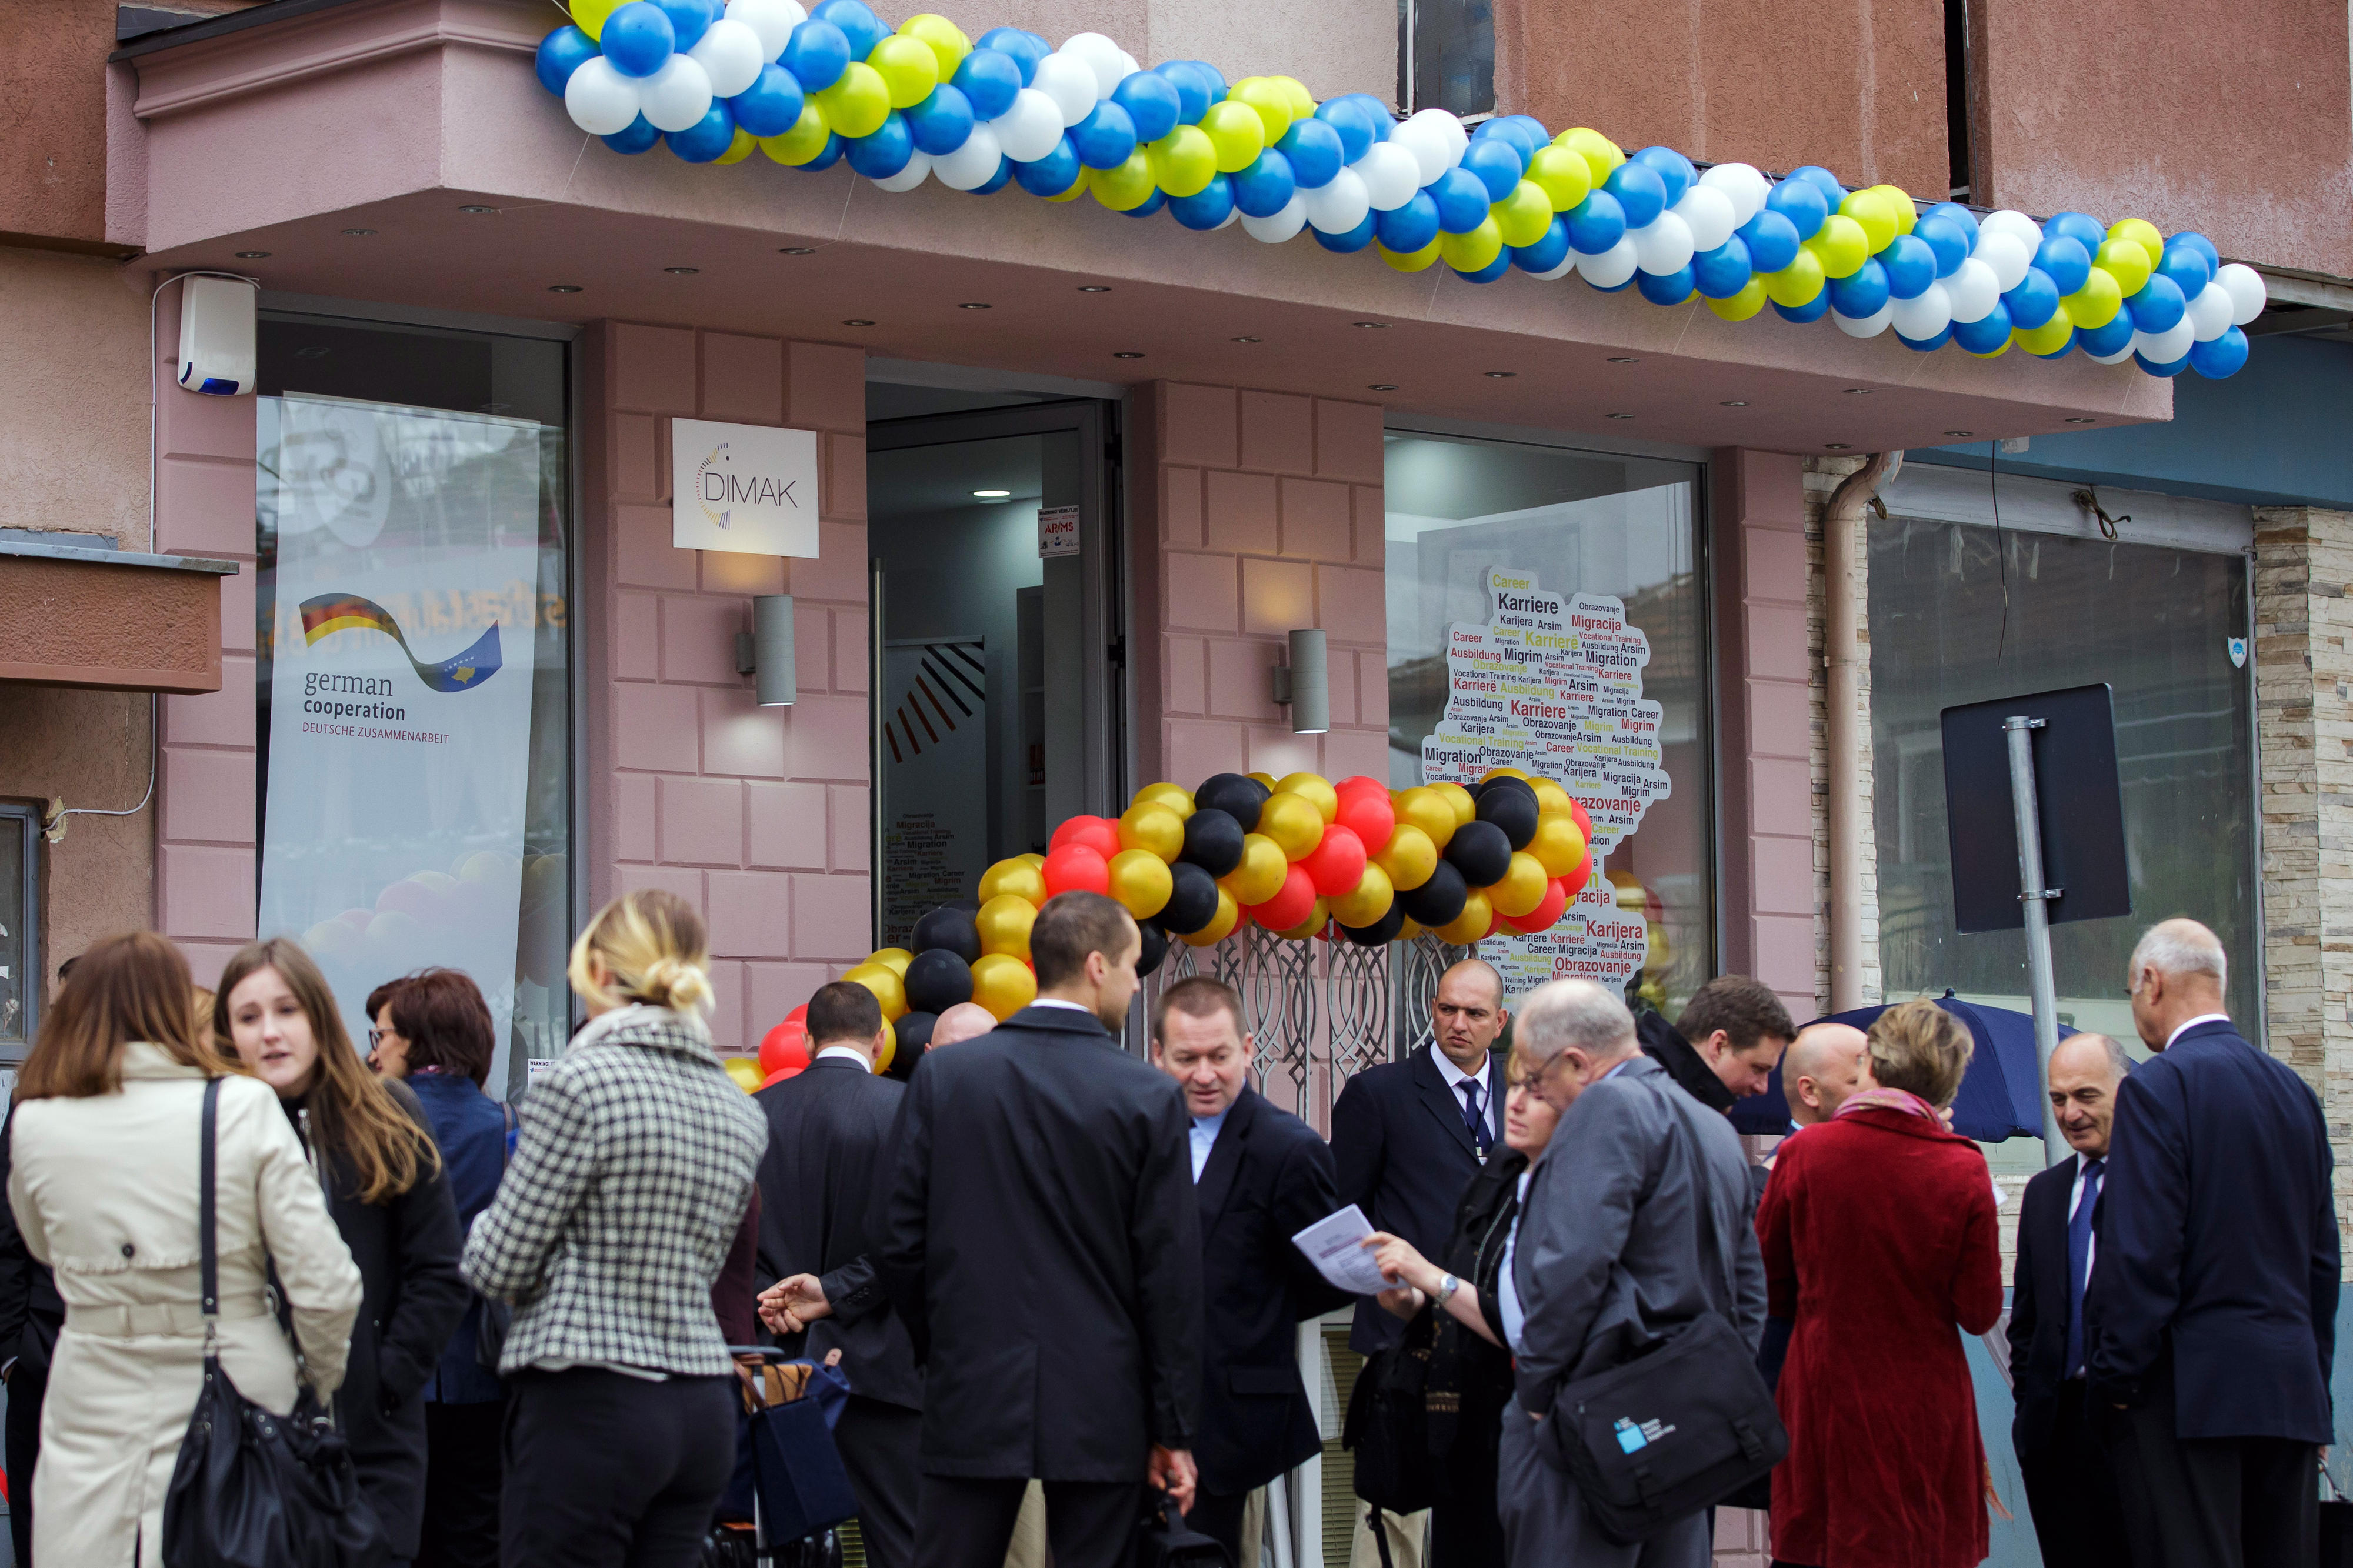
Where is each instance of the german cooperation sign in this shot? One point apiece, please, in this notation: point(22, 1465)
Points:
point(1552, 685)
point(747, 489)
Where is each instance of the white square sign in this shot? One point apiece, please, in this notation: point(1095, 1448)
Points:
point(748, 488)
point(1057, 530)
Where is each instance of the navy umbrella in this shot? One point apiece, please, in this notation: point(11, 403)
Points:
point(2000, 1095)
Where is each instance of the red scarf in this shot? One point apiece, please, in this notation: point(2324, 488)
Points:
point(1893, 1100)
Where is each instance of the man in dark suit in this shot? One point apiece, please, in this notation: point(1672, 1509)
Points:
point(829, 1137)
point(1038, 1235)
point(2068, 1484)
point(1262, 1176)
point(31, 1313)
point(1724, 1046)
point(2210, 1320)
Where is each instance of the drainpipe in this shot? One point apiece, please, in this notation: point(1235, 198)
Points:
point(1842, 657)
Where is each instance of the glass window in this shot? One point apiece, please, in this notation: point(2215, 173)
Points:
point(1446, 56)
point(20, 948)
point(1546, 611)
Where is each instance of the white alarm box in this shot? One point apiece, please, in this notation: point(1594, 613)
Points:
point(217, 336)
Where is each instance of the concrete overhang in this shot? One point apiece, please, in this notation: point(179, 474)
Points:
point(72, 615)
point(391, 116)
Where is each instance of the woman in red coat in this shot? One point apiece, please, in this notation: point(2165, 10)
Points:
point(1880, 1241)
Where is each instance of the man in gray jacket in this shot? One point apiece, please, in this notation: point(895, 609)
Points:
point(1627, 1221)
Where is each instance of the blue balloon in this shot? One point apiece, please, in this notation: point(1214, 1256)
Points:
point(637, 136)
point(1105, 138)
point(1193, 98)
point(2082, 228)
point(2222, 357)
point(1150, 206)
point(1151, 102)
point(997, 182)
point(1495, 162)
point(860, 26)
point(886, 152)
point(1533, 137)
point(826, 158)
point(816, 53)
point(1492, 270)
point(2157, 306)
point(1822, 180)
point(2175, 368)
point(1802, 203)
point(988, 78)
point(1639, 191)
point(943, 121)
point(1927, 345)
point(1266, 188)
point(2187, 266)
point(1813, 309)
point(1211, 78)
point(2063, 259)
point(1461, 198)
point(1348, 118)
point(1207, 207)
point(1546, 253)
point(2035, 299)
point(1674, 170)
point(1771, 238)
point(638, 38)
point(1379, 114)
point(771, 105)
point(1596, 224)
point(1024, 49)
point(1958, 216)
point(1860, 296)
point(561, 53)
point(1665, 288)
point(2113, 338)
point(1724, 272)
point(708, 137)
point(1987, 333)
point(1052, 174)
point(1314, 150)
point(1346, 244)
point(2205, 247)
point(688, 20)
point(1911, 266)
point(1947, 238)
point(1407, 228)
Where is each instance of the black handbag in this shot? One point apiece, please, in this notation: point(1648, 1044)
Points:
point(1163, 1540)
point(251, 1488)
point(1388, 1424)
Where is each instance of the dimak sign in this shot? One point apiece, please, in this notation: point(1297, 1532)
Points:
point(748, 488)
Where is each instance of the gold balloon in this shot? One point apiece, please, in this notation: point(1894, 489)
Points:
point(1368, 902)
point(1551, 799)
point(890, 1047)
point(745, 1071)
point(1151, 826)
point(1266, 779)
point(1505, 774)
point(1311, 925)
point(1292, 822)
point(1408, 931)
point(1407, 859)
point(1314, 787)
point(1472, 924)
point(1003, 922)
point(1557, 846)
point(894, 959)
point(1035, 861)
point(1424, 808)
point(884, 982)
point(1523, 887)
point(1176, 798)
point(1017, 877)
point(1217, 929)
point(1458, 800)
point(1259, 876)
point(1141, 882)
point(1003, 983)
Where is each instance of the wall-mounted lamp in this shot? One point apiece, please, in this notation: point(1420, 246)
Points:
point(766, 652)
point(1304, 686)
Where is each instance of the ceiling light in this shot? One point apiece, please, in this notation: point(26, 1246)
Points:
point(1856, 391)
point(1963, 434)
point(1501, 375)
point(1623, 359)
point(1837, 446)
point(477, 210)
point(359, 231)
point(2081, 420)
point(856, 322)
point(1618, 416)
point(1126, 354)
point(1381, 386)
point(1733, 403)
point(1376, 326)
point(564, 287)
point(796, 250)
point(1094, 288)
point(1246, 339)
point(972, 307)
point(993, 495)
point(251, 254)
point(681, 271)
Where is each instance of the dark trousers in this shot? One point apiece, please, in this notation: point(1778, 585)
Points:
point(2071, 1492)
point(967, 1524)
point(1467, 1534)
point(603, 1470)
point(26, 1390)
point(877, 1446)
point(463, 1468)
point(1218, 1516)
point(2210, 1502)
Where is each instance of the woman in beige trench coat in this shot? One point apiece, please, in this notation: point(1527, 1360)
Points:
point(104, 1183)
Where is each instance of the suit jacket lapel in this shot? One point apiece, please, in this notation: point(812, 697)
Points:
point(1217, 1183)
point(2052, 1241)
point(1440, 1097)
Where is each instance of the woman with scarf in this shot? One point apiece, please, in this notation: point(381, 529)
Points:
point(1880, 1242)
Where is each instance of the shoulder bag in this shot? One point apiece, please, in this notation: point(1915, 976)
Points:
point(1388, 1424)
point(251, 1488)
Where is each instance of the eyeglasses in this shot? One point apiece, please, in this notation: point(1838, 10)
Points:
point(376, 1039)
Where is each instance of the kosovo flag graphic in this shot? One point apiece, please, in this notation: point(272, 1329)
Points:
point(348, 612)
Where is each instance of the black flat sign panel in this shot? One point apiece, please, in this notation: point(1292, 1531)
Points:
point(2078, 799)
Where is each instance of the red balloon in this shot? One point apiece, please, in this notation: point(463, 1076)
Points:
point(798, 1016)
point(1355, 782)
point(779, 1076)
point(1098, 833)
point(1293, 903)
point(1336, 863)
point(1077, 868)
point(1555, 900)
point(1578, 875)
point(1368, 813)
point(786, 1046)
point(1583, 819)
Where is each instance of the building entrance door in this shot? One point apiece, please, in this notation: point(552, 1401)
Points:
point(998, 646)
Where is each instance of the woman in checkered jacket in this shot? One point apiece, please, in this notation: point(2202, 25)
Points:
point(632, 1174)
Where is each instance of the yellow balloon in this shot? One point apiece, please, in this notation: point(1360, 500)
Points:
point(1266, 779)
point(738, 148)
point(1236, 134)
point(1557, 846)
point(1470, 252)
point(1003, 983)
point(1302, 101)
point(858, 102)
point(1268, 100)
point(890, 1047)
point(2095, 304)
point(884, 982)
point(1458, 800)
point(588, 15)
point(1600, 153)
point(1291, 821)
point(1906, 213)
point(2047, 339)
point(1564, 177)
point(949, 46)
point(1798, 283)
point(1551, 799)
point(1003, 922)
point(1126, 187)
point(2143, 233)
point(1032, 859)
point(1080, 184)
point(1409, 930)
point(1017, 877)
point(1314, 788)
point(1217, 929)
point(1366, 903)
point(1409, 260)
point(1261, 875)
point(1153, 827)
point(2124, 260)
point(1427, 809)
point(894, 959)
point(804, 141)
point(1408, 858)
point(1176, 798)
point(1311, 925)
point(909, 69)
point(1478, 914)
point(745, 1071)
point(1141, 882)
point(1520, 774)
point(1841, 245)
point(1876, 213)
point(1523, 217)
point(1523, 887)
point(1184, 162)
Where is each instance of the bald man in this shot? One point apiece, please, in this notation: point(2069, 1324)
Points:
point(965, 1021)
point(1826, 1063)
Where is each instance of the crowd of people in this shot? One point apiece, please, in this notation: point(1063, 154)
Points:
point(1061, 1283)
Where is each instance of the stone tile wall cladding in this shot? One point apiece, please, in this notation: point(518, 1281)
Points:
point(756, 816)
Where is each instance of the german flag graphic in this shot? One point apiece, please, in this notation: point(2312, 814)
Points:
point(349, 612)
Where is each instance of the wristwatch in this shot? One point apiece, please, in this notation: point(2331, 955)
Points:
point(1446, 1289)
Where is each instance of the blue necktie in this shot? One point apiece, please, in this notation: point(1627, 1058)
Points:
point(1472, 1117)
point(2079, 1263)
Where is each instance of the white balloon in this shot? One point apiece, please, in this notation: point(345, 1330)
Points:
point(2164, 347)
point(677, 96)
point(1973, 291)
point(2245, 287)
point(1282, 226)
point(2210, 312)
point(2118, 357)
point(971, 165)
point(2006, 255)
point(600, 99)
point(1662, 246)
point(1567, 264)
point(1340, 206)
point(1233, 217)
point(1458, 140)
point(1099, 55)
point(1922, 316)
point(1391, 174)
point(1432, 156)
point(1710, 215)
point(1869, 326)
point(1128, 65)
point(918, 170)
point(2018, 226)
point(730, 55)
point(774, 20)
point(1029, 129)
point(1069, 81)
point(1612, 267)
point(1743, 184)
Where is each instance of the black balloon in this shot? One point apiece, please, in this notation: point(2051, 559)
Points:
point(1380, 931)
point(903, 1060)
point(1437, 902)
point(1154, 948)
point(1192, 897)
point(1481, 852)
point(937, 980)
point(914, 1029)
point(947, 928)
point(1213, 841)
point(1236, 795)
point(1512, 810)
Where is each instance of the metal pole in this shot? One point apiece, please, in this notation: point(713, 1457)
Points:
point(2041, 983)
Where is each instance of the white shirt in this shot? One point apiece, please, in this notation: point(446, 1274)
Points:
point(2202, 1018)
point(1456, 1078)
point(852, 1052)
point(1059, 1002)
point(1507, 1289)
point(1204, 1137)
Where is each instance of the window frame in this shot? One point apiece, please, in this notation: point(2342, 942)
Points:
point(26, 817)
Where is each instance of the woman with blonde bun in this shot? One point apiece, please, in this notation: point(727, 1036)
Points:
point(635, 1163)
